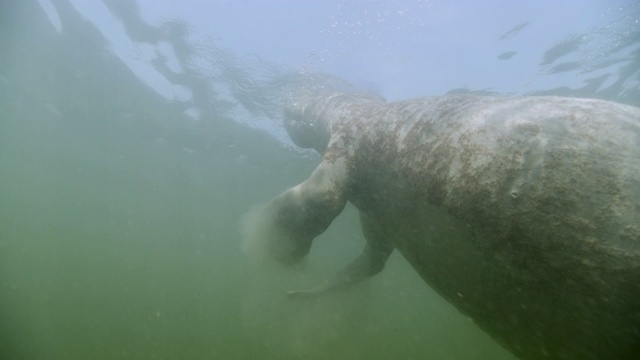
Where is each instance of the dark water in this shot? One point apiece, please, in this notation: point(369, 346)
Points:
point(120, 221)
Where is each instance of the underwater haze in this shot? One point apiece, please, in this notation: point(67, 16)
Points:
point(137, 138)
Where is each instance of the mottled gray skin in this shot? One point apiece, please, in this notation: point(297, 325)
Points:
point(524, 213)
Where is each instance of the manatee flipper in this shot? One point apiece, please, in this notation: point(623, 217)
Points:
point(370, 262)
point(305, 211)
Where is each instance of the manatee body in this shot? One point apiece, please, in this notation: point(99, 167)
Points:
point(523, 212)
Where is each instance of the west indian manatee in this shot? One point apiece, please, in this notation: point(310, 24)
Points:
point(523, 212)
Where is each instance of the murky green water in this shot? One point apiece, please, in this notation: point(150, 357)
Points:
point(119, 230)
point(118, 244)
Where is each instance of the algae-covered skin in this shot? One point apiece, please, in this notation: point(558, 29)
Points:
point(523, 212)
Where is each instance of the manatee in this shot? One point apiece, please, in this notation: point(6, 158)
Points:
point(522, 212)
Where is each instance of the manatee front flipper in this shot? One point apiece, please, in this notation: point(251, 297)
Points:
point(305, 211)
point(370, 262)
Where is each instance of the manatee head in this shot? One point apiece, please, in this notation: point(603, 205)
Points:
point(305, 127)
point(309, 118)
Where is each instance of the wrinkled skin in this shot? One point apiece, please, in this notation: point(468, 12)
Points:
point(524, 213)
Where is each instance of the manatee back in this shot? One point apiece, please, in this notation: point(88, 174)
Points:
point(523, 212)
